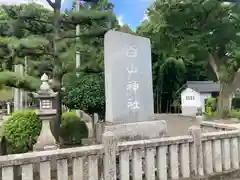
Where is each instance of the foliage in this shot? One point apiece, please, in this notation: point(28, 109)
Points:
point(126, 29)
point(209, 111)
point(203, 33)
point(36, 35)
point(21, 131)
point(211, 105)
point(236, 103)
point(13, 79)
point(212, 102)
point(48, 39)
point(72, 129)
point(170, 71)
point(235, 113)
point(86, 93)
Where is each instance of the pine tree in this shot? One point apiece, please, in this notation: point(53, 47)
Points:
point(48, 37)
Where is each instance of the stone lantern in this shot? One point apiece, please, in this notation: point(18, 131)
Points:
point(46, 140)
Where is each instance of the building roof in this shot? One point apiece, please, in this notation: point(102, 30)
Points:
point(203, 86)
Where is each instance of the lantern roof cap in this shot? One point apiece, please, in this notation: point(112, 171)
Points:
point(44, 77)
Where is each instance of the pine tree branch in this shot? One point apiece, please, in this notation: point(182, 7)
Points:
point(13, 16)
point(32, 18)
point(34, 31)
point(27, 52)
point(85, 35)
point(92, 70)
point(51, 3)
point(82, 22)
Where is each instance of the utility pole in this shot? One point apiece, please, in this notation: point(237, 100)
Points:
point(26, 71)
point(78, 57)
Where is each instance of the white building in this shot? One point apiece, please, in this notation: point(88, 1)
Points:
point(194, 94)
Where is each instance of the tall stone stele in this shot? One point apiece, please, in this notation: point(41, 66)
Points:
point(46, 140)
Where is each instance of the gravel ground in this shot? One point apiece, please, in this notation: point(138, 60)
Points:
point(177, 125)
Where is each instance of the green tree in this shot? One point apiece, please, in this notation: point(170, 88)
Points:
point(55, 45)
point(86, 92)
point(168, 72)
point(126, 29)
point(201, 30)
point(10, 33)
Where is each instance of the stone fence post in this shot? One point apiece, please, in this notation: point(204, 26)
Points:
point(8, 108)
point(196, 151)
point(110, 148)
point(94, 123)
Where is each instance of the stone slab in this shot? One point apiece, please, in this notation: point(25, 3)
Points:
point(138, 130)
point(128, 78)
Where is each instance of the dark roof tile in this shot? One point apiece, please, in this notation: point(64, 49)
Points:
point(204, 86)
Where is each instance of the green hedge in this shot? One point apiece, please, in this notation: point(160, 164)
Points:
point(72, 129)
point(21, 131)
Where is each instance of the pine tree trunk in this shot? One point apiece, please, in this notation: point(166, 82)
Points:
point(58, 115)
point(57, 77)
point(58, 88)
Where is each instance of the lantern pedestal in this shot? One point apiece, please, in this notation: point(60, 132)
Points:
point(46, 140)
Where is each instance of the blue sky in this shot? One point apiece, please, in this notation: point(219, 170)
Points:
point(129, 12)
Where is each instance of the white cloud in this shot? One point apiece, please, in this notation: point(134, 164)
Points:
point(120, 20)
point(42, 2)
point(12, 1)
point(145, 17)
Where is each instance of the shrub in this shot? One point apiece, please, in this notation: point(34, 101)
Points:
point(236, 103)
point(86, 92)
point(72, 129)
point(21, 131)
point(209, 111)
point(235, 113)
point(212, 103)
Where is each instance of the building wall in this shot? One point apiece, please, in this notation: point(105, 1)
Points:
point(190, 100)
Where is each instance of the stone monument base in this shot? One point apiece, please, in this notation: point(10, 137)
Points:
point(132, 131)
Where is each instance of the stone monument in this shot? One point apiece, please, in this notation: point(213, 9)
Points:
point(128, 88)
point(46, 140)
point(128, 78)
